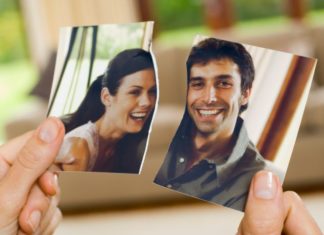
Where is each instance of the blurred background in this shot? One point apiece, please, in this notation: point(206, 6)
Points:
point(124, 204)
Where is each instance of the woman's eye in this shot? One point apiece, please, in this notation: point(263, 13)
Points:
point(135, 92)
point(152, 92)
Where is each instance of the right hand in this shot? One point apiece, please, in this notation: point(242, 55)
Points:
point(270, 211)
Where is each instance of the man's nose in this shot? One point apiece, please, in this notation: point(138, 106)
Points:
point(210, 95)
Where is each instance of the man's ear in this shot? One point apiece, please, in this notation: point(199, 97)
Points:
point(245, 96)
point(105, 96)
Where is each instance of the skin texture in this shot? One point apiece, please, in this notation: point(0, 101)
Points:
point(213, 102)
point(215, 87)
point(136, 96)
point(80, 153)
point(270, 211)
point(26, 186)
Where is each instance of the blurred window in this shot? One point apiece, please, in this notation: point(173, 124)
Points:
point(17, 76)
point(179, 14)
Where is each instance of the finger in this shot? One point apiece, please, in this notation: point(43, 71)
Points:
point(296, 212)
point(48, 182)
point(34, 210)
point(56, 219)
point(55, 168)
point(10, 150)
point(4, 167)
point(264, 211)
point(34, 158)
point(21, 233)
point(49, 216)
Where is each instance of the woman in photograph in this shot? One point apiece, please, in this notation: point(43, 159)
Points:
point(108, 131)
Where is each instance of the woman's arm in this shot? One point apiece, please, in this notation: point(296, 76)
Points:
point(79, 154)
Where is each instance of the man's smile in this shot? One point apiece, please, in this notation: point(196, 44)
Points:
point(209, 112)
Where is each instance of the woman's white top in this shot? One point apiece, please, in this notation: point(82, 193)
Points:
point(87, 132)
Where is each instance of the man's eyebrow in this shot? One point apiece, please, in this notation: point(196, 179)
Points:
point(224, 76)
point(198, 78)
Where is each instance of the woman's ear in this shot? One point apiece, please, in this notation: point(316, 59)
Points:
point(105, 97)
point(245, 96)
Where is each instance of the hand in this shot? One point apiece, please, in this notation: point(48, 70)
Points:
point(270, 211)
point(26, 187)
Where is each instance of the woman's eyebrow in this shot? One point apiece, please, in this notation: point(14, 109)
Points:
point(136, 86)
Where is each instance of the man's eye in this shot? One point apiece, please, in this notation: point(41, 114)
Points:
point(224, 84)
point(196, 84)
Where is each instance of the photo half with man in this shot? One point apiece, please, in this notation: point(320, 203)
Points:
point(105, 92)
point(244, 105)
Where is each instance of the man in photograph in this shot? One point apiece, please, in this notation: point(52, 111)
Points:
point(211, 156)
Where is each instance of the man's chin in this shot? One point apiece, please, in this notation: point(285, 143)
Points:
point(206, 129)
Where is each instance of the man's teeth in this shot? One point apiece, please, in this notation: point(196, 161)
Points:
point(208, 112)
point(138, 115)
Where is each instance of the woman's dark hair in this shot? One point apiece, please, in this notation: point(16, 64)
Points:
point(91, 108)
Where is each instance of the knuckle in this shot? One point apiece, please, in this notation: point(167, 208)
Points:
point(39, 201)
point(265, 226)
point(29, 157)
point(293, 196)
point(45, 203)
point(4, 167)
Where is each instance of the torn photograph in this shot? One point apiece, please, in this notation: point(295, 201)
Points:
point(242, 112)
point(105, 91)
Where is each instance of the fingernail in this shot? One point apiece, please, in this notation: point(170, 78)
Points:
point(34, 220)
point(55, 182)
point(48, 131)
point(265, 186)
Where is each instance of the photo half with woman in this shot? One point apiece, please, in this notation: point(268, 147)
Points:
point(105, 92)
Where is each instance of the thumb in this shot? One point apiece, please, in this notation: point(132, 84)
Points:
point(32, 161)
point(264, 211)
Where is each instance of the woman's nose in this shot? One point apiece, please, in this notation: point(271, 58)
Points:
point(145, 100)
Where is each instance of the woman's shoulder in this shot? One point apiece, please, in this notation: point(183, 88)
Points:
point(87, 133)
point(87, 130)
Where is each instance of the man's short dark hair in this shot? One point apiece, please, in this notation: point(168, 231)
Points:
point(216, 49)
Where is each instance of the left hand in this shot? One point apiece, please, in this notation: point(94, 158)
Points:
point(28, 191)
